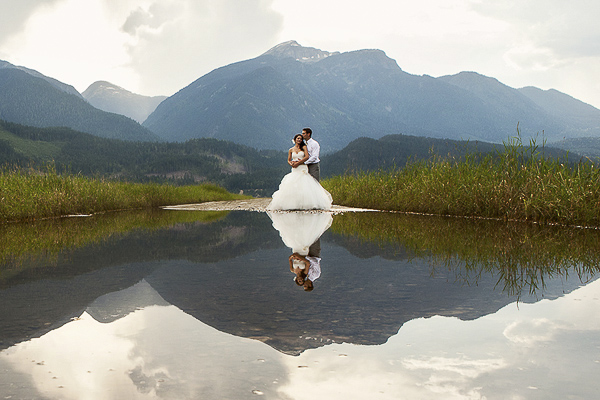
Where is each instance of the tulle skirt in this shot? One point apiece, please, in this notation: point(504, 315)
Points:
point(299, 230)
point(300, 191)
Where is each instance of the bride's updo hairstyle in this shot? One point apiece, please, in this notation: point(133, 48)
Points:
point(294, 139)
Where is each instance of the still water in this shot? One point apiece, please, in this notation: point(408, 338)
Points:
point(201, 305)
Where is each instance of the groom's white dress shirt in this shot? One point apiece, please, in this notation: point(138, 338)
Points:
point(313, 151)
point(314, 271)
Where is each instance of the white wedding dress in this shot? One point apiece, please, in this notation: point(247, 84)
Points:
point(299, 230)
point(300, 191)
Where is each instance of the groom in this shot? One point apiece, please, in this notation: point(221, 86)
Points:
point(314, 271)
point(313, 152)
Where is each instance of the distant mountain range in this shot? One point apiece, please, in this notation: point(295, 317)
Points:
point(112, 98)
point(28, 97)
point(263, 101)
point(394, 151)
point(55, 83)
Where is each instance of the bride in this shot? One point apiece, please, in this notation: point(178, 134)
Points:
point(298, 190)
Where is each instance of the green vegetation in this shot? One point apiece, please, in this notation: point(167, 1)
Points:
point(233, 166)
point(34, 101)
point(26, 196)
point(519, 183)
point(391, 151)
point(521, 256)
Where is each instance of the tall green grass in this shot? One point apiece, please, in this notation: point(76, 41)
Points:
point(518, 183)
point(26, 195)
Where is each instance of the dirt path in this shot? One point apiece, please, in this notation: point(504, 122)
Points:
point(259, 205)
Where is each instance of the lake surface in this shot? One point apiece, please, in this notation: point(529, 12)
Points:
point(202, 305)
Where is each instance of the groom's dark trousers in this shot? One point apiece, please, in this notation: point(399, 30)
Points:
point(314, 170)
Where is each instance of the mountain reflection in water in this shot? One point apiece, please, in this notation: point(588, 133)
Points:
point(148, 312)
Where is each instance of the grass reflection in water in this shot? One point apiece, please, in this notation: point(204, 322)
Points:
point(42, 241)
point(522, 255)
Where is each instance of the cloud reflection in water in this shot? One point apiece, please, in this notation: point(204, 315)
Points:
point(538, 350)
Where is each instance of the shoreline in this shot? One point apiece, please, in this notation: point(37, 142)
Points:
point(258, 205)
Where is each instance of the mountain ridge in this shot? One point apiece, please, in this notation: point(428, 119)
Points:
point(344, 96)
point(292, 49)
point(28, 99)
point(112, 98)
point(54, 82)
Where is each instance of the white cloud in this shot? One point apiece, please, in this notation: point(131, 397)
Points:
point(458, 366)
point(71, 41)
point(549, 44)
point(570, 29)
point(14, 14)
point(155, 352)
point(173, 43)
point(149, 46)
point(159, 46)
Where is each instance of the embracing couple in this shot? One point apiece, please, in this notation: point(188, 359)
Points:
point(300, 189)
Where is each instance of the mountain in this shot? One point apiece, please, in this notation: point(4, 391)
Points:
point(57, 84)
point(31, 99)
point(263, 101)
point(575, 114)
point(112, 98)
point(367, 154)
point(293, 50)
point(506, 106)
point(588, 147)
point(233, 166)
point(394, 151)
point(557, 109)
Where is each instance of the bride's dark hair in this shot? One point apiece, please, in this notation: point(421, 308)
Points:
point(303, 276)
point(303, 142)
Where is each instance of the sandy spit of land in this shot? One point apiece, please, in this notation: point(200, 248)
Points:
point(259, 205)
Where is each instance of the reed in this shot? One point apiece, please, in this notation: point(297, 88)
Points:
point(517, 183)
point(27, 195)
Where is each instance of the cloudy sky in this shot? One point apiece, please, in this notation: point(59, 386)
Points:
point(157, 47)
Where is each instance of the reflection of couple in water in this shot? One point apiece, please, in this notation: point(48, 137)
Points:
point(301, 232)
point(307, 268)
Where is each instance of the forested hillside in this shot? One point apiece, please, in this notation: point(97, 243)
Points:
point(586, 147)
point(33, 101)
point(233, 166)
point(394, 151)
